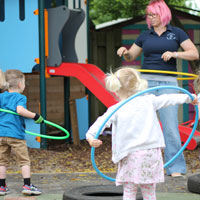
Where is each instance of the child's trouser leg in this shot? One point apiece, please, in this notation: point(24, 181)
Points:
point(148, 191)
point(130, 191)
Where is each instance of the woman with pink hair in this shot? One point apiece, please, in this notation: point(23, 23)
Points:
point(159, 45)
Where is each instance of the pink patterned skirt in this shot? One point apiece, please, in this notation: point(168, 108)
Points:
point(141, 167)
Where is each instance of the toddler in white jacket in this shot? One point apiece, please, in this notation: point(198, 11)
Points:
point(137, 137)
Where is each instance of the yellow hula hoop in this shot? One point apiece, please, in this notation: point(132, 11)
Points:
point(191, 76)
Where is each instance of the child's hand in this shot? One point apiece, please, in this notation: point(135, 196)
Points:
point(195, 101)
point(94, 142)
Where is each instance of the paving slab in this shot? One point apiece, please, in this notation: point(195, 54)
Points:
point(54, 186)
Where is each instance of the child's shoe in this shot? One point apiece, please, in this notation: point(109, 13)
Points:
point(30, 189)
point(4, 190)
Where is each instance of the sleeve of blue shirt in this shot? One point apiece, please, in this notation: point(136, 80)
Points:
point(182, 34)
point(22, 101)
point(140, 38)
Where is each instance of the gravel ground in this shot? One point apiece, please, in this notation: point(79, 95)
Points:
point(61, 157)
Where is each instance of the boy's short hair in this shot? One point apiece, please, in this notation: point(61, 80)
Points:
point(13, 77)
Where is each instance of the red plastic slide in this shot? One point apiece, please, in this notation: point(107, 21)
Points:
point(184, 134)
point(185, 129)
point(90, 75)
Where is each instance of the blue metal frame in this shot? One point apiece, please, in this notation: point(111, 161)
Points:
point(19, 35)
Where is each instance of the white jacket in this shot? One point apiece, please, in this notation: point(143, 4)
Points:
point(135, 125)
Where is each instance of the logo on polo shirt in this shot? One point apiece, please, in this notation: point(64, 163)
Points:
point(171, 36)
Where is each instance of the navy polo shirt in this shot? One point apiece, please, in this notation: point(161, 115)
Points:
point(154, 46)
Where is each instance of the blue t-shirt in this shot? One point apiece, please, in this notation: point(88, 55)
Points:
point(12, 125)
point(154, 46)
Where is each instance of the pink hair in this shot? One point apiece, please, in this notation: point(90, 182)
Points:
point(160, 8)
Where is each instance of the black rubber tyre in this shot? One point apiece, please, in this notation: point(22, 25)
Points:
point(193, 183)
point(96, 192)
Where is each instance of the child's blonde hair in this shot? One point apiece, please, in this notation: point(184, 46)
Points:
point(125, 82)
point(13, 77)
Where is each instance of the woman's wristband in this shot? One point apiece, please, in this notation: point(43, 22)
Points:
point(176, 54)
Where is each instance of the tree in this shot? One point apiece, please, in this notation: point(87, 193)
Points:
point(107, 10)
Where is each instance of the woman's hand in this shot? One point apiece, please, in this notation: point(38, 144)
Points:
point(122, 51)
point(168, 55)
point(94, 142)
point(131, 54)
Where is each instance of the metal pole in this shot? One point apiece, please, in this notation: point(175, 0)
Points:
point(67, 120)
point(89, 57)
point(88, 30)
point(42, 69)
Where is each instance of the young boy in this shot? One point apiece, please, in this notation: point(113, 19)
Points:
point(12, 129)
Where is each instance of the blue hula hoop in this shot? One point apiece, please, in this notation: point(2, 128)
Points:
point(127, 100)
